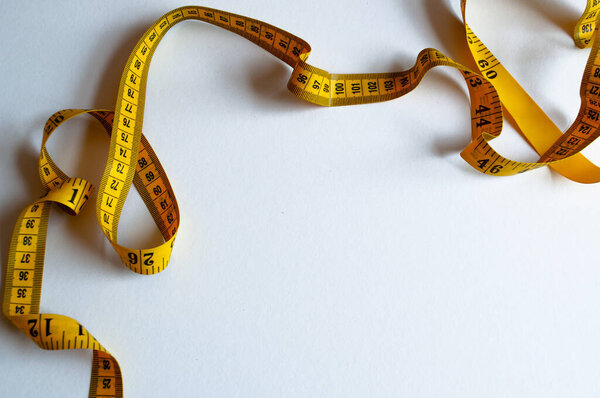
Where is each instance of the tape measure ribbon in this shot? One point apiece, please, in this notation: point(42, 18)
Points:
point(132, 160)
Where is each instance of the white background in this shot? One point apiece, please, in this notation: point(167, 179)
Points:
point(323, 252)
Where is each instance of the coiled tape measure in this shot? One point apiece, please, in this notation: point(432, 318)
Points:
point(131, 159)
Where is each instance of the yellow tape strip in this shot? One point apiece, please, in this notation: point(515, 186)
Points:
point(131, 159)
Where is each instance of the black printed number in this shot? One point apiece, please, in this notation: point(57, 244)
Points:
point(133, 258)
point(302, 78)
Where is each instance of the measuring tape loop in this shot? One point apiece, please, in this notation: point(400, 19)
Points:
point(22, 293)
point(131, 159)
point(560, 151)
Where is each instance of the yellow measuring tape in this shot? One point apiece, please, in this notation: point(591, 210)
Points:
point(131, 159)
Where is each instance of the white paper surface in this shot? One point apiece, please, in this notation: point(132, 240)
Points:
point(323, 252)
